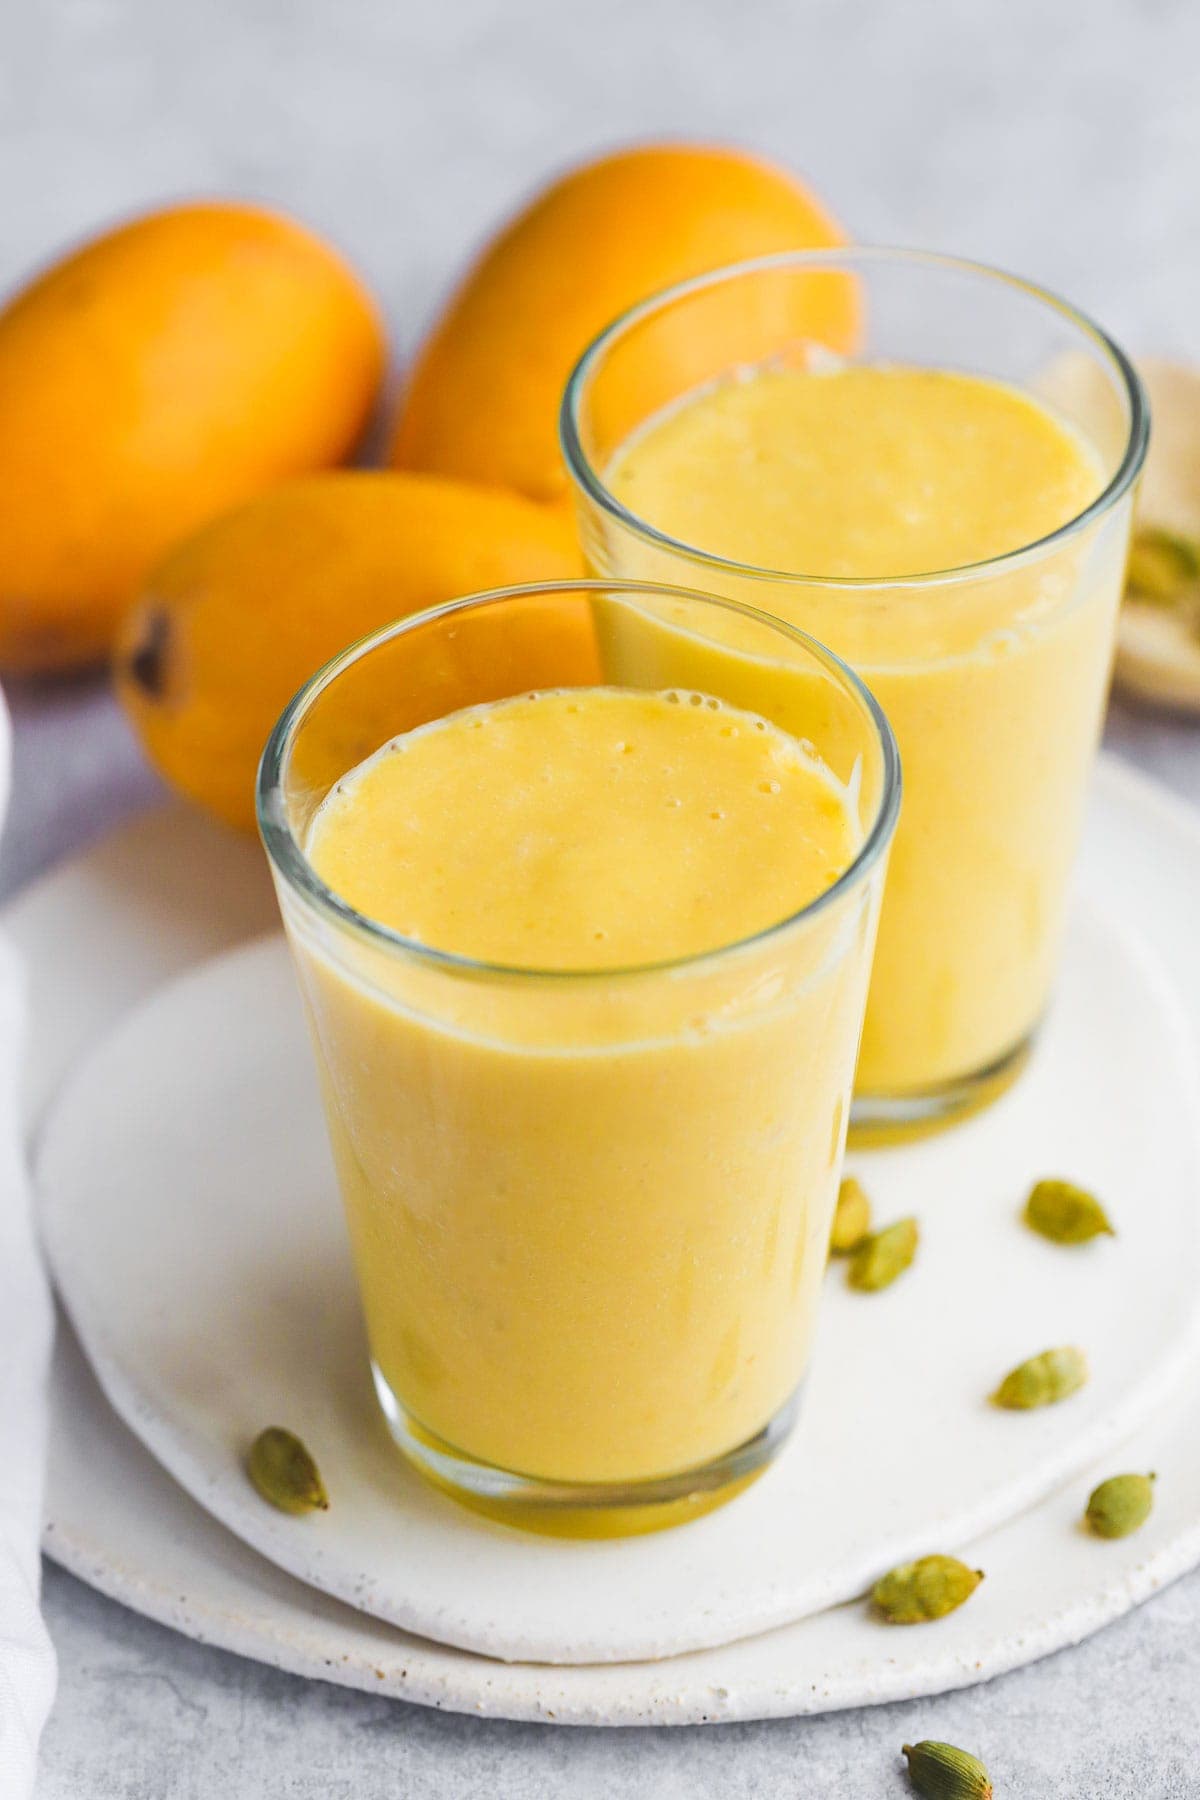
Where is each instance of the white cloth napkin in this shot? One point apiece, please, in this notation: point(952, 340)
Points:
point(27, 1665)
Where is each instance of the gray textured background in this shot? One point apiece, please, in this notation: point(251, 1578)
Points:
point(1058, 138)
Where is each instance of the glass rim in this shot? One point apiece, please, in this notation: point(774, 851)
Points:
point(288, 858)
point(583, 473)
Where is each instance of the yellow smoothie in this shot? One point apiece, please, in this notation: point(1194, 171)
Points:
point(590, 1210)
point(993, 683)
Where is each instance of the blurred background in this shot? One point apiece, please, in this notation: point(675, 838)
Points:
point(1060, 140)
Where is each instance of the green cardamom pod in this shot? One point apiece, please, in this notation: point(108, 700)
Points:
point(942, 1772)
point(881, 1257)
point(1043, 1380)
point(852, 1218)
point(1162, 565)
point(1120, 1505)
point(927, 1589)
point(284, 1472)
point(1066, 1214)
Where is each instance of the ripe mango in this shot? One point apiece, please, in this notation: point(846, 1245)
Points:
point(240, 615)
point(482, 398)
point(165, 371)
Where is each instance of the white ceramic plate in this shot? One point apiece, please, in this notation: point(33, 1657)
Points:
point(119, 1522)
point(191, 1216)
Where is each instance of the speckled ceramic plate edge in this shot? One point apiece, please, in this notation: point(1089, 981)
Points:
point(234, 1601)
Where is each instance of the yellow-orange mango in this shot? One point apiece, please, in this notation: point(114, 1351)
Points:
point(482, 398)
point(240, 615)
point(162, 373)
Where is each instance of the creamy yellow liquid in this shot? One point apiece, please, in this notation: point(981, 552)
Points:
point(585, 829)
point(993, 683)
point(590, 1212)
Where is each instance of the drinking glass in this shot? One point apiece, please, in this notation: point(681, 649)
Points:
point(589, 1210)
point(993, 675)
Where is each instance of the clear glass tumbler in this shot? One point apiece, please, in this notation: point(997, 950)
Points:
point(993, 675)
point(589, 1210)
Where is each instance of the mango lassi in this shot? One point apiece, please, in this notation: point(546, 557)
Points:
point(589, 828)
point(857, 473)
point(590, 1212)
point(832, 496)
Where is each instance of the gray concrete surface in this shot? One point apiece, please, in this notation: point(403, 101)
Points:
point(1059, 138)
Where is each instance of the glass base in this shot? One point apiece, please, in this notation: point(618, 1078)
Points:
point(583, 1509)
point(878, 1119)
